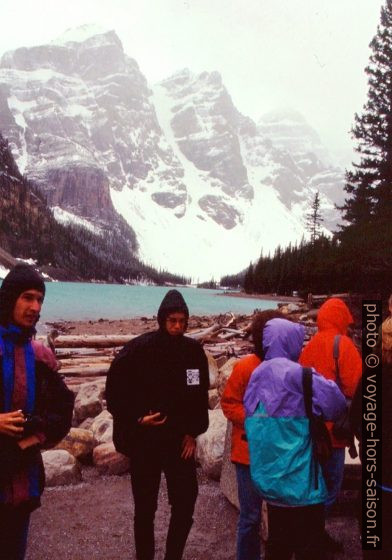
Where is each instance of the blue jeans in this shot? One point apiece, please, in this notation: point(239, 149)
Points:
point(333, 473)
point(249, 522)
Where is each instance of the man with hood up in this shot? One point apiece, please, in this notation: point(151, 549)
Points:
point(333, 320)
point(281, 458)
point(35, 406)
point(157, 392)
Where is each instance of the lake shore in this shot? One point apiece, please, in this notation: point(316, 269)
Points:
point(136, 325)
point(267, 297)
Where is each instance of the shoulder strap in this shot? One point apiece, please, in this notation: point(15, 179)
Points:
point(307, 382)
point(336, 342)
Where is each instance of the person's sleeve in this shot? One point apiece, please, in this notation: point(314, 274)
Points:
point(118, 396)
point(328, 400)
point(197, 413)
point(57, 419)
point(350, 366)
point(232, 401)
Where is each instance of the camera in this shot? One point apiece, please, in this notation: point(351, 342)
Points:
point(32, 425)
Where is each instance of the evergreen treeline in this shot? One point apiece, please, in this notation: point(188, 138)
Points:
point(29, 230)
point(358, 258)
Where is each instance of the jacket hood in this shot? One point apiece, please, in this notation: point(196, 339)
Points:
point(283, 339)
point(334, 314)
point(173, 302)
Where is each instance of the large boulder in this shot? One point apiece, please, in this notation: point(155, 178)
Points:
point(89, 401)
point(61, 468)
point(224, 374)
point(102, 427)
point(86, 424)
point(212, 370)
point(108, 460)
point(228, 484)
point(210, 445)
point(228, 479)
point(213, 399)
point(78, 442)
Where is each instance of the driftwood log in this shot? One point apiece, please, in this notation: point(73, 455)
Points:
point(88, 357)
point(92, 341)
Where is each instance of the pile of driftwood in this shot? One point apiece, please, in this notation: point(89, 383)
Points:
point(88, 357)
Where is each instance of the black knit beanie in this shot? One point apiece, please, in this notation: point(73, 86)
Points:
point(173, 302)
point(21, 278)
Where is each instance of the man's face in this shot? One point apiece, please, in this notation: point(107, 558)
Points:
point(27, 308)
point(176, 323)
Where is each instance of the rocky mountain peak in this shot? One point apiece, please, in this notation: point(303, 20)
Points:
point(83, 33)
point(81, 52)
point(188, 172)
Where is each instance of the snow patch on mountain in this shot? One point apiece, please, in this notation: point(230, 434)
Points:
point(66, 218)
point(79, 34)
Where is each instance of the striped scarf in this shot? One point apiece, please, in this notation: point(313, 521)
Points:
point(19, 387)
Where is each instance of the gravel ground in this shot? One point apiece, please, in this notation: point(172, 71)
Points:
point(93, 521)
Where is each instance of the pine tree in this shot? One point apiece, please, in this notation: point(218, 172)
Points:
point(370, 182)
point(314, 219)
point(249, 280)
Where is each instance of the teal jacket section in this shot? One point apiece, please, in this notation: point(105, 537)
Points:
point(281, 461)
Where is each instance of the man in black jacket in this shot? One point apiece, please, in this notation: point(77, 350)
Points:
point(157, 392)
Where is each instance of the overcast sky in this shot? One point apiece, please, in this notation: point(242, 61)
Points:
point(305, 54)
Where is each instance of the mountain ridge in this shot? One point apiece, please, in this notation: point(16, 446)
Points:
point(187, 171)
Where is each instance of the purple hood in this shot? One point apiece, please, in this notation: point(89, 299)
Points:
point(283, 339)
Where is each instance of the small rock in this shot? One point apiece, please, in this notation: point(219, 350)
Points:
point(78, 442)
point(88, 402)
point(102, 427)
point(61, 468)
point(109, 461)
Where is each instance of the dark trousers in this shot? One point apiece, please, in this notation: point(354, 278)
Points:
point(295, 530)
point(14, 527)
point(147, 464)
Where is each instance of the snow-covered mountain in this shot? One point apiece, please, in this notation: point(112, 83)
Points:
point(204, 188)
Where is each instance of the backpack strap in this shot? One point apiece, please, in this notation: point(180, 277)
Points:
point(336, 343)
point(307, 386)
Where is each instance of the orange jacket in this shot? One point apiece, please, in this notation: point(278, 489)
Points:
point(233, 407)
point(333, 318)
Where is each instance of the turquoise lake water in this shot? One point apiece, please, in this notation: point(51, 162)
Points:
point(78, 301)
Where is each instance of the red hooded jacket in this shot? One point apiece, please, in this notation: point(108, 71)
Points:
point(334, 318)
point(233, 406)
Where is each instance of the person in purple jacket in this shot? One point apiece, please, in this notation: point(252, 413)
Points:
point(281, 458)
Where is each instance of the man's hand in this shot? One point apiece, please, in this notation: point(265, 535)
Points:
point(153, 419)
point(11, 423)
point(188, 447)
